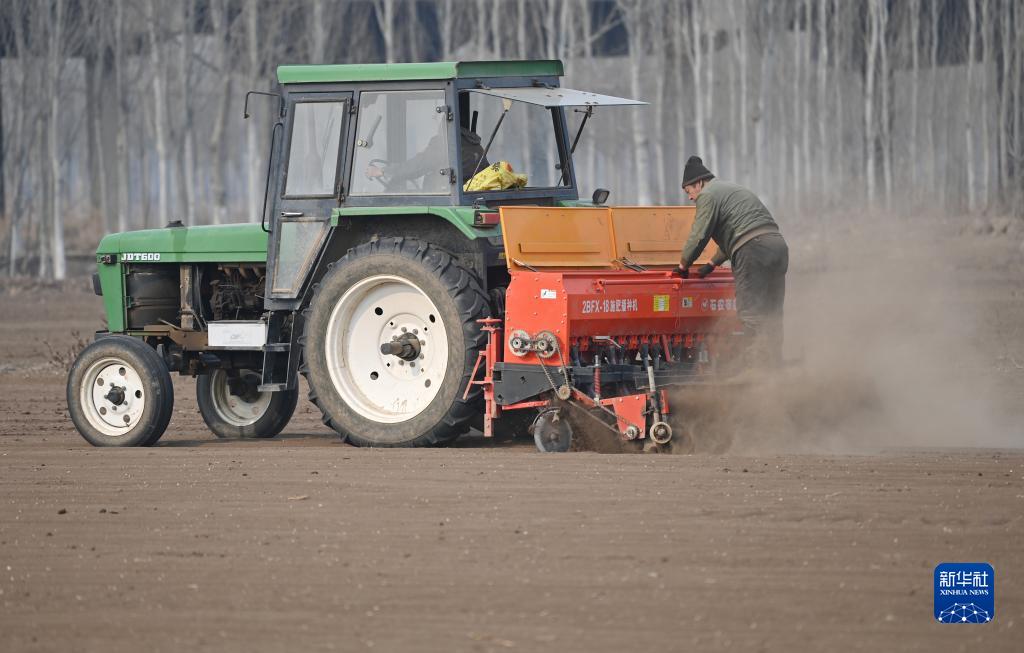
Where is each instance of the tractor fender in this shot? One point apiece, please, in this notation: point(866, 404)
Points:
point(472, 247)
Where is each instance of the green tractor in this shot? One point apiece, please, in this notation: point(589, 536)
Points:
point(367, 273)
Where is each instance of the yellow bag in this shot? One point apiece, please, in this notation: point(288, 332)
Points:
point(498, 176)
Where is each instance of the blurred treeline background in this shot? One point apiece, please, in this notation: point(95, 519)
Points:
point(124, 114)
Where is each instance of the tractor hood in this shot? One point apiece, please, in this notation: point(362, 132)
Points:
point(225, 243)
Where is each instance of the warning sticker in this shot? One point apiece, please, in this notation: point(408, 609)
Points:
point(661, 303)
point(687, 302)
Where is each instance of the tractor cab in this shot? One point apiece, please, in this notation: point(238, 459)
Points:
point(416, 134)
point(369, 146)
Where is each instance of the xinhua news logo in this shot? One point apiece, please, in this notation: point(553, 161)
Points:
point(965, 593)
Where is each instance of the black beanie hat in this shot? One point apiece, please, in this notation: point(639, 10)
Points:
point(695, 171)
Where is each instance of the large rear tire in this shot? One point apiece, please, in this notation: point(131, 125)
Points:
point(119, 393)
point(247, 414)
point(405, 291)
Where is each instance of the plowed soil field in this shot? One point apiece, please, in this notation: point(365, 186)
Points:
point(818, 530)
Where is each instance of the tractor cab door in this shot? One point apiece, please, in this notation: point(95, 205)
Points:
point(308, 190)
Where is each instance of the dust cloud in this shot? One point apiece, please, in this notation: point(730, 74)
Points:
point(889, 341)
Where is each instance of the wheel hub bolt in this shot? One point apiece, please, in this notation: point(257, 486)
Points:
point(115, 396)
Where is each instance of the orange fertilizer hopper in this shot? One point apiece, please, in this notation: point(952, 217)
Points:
point(596, 323)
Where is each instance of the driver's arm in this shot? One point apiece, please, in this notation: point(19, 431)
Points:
point(429, 160)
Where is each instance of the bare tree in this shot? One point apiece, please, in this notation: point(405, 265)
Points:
point(987, 58)
point(870, 127)
point(885, 111)
point(318, 29)
point(55, 60)
point(821, 79)
point(218, 151)
point(692, 29)
point(741, 54)
point(969, 105)
point(384, 11)
point(914, 12)
point(933, 62)
point(1005, 90)
point(767, 32)
point(252, 138)
point(186, 154)
point(159, 119)
point(634, 21)
point(120, 113)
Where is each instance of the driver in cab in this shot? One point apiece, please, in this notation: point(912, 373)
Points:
point(428, 163)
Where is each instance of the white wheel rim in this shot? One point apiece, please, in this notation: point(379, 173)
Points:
point(382, 387)
point(112, 396)
point(233, 409)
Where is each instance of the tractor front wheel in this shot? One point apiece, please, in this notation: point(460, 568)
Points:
point(120, 393)
point(234, 408)
point(390, 340)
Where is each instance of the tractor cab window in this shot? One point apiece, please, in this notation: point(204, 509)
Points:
point(401, 144)
point(526, 140)
point(313, 153)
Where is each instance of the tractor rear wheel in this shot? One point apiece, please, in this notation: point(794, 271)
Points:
point(243, 411)
point(390, 340)
point(120, 393)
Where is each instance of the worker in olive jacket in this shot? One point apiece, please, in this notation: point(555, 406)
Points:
point(746, 234)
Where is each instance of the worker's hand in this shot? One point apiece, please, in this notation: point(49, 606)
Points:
point(705, 270)
point(372, 172)
point(681, 272)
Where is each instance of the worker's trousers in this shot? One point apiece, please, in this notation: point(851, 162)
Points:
point(759, 267)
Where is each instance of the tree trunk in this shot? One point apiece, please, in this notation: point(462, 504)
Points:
point(823, 162)
point(796, 118)
point(986, 141)
point(869, 100)
point(807, 100)
point(91, 97)
point(761, 131)
point(634, 22)
point(692, 32)
point(658, 38)
point(1006, 30)
point(915, 68)
point(45, 205)
point(3, 151)
point(588, 56)
point(159, 120)
point(218, 150)
point(255, 194)
point(23, 161)
point(384, 10)
point(96, 128)
point(318, 30)
point(933, 62)
point(707, 36)
point(187, 153)
point(526, 149)
point(972, 197)
point(521, 43)
point(885, 111)
point(740, 150)
point(57, 215)
point(446, 20)
point(838, 151)
point(121, 139)
point(1018, 114)
point(497, 14)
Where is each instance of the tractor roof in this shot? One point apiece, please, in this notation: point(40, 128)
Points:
point(396, 72)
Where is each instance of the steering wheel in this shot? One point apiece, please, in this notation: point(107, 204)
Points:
point(380, 163)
